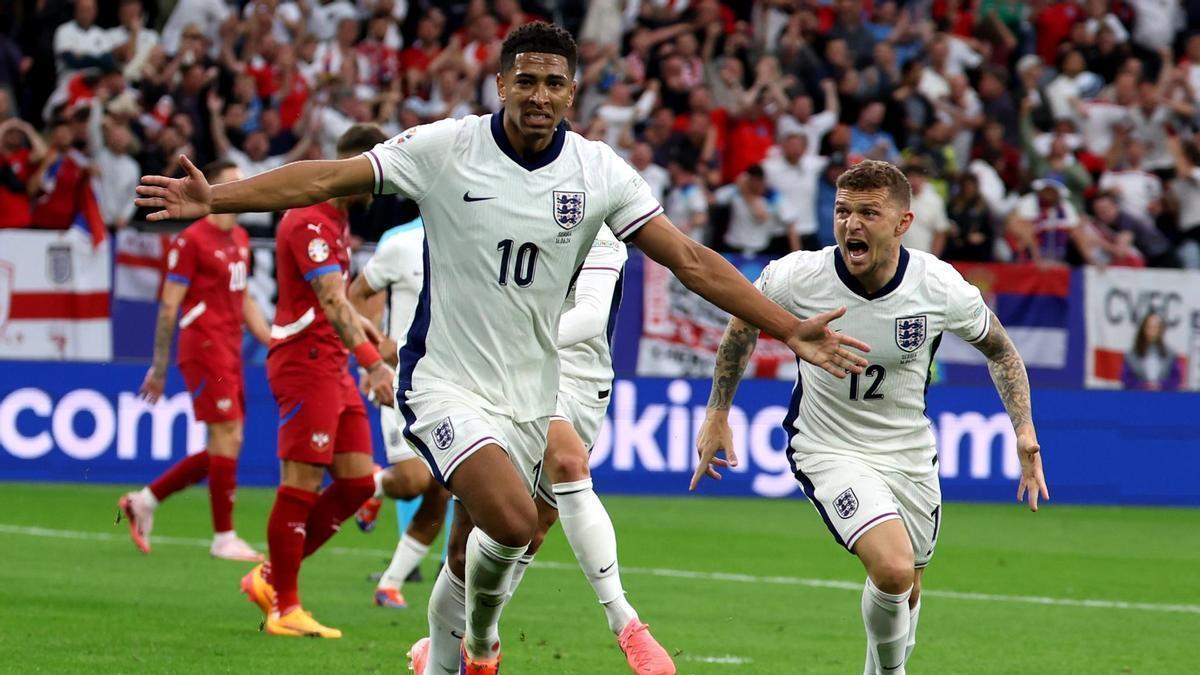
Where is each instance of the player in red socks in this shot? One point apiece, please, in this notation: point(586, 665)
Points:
point(323, 423)
point(206, 278)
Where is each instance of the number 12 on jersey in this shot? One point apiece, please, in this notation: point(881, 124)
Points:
point(523, 268)
point(878, 373)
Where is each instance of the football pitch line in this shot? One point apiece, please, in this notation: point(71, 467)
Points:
point(856, 587)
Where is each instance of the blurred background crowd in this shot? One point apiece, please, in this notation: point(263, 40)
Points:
point(1048, 132)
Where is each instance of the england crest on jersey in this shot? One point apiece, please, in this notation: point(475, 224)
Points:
point(568, 208)
point(910, 332)
point(443, 434)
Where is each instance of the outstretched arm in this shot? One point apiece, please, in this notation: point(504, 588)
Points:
point(710, 276)
point(289, 186)
point(733, 354)
point(1012, 383)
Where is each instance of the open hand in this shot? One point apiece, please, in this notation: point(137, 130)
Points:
point(714, 437)
point(820, 345)
point(152, 386)
point(1033, 480)
point(187, 198)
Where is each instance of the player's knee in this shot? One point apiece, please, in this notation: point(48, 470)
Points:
point(565, 467)
point(225, 439)
point(456, 558)
point(517, 526)
point(405, 484)
point(893, 575)
point(915, 597)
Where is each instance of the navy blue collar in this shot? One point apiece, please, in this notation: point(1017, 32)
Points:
point(529, 162)
point(853, 283)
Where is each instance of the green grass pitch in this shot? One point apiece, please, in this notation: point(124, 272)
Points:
point(730, 586)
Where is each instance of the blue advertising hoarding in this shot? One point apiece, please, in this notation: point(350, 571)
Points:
point(76, 422)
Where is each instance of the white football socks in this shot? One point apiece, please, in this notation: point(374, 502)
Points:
point(519, 573)
point(913, 615)
point(590, 532)
point(447, 619)
point(378, 476)
point(409, 553)
point(490, 567)
point(886, 618)
point(148, 497)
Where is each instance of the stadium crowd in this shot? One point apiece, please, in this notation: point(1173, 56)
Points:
point(1049, 132)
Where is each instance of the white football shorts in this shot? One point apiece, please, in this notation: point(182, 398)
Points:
point(852, 497)
point(587, 418)
point(446, 428)
point(398, 450)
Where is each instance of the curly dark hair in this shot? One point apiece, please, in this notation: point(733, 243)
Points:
point(872, 174)
point(542, 37)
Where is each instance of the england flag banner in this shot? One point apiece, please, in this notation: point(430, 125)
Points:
point(54, 296)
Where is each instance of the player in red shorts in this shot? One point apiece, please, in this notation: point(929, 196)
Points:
point(323, 423)
point(206, 277)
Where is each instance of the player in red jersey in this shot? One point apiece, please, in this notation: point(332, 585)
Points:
point(323, 423)
point(206, 277)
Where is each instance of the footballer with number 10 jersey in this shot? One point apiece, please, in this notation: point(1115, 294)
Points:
point(213, 264)
point(506, 247)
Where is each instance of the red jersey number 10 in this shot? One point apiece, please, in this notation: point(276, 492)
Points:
point(237, 276)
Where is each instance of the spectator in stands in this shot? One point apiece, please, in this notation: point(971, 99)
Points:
point(971, 236)
point(826, 195)
point(620, 112)
point(753, 213)
point(929, 225)
point(851, 28)
point(868, 140)
point(1152, 246)
point(131, 42)
point(118, 172)
point(1185, 189)
point(1138, 191)
point(206, 15)
point(1151, 365)
point(801, 119)
point(795, 174)
point(1044, 227)
point(687, 202)
point(57, 184)
point(21, 152)
point(80, 43)
point(642, 159)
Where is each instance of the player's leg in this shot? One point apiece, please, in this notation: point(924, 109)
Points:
point(439, 655)
point(589, 531)
point(497, 498)
point(886, 553)
point(138, 507)
point(224, 444)
point(408, 479)
point(353, 468)
point(397, 451)
point(914, 613)
point(920, 500)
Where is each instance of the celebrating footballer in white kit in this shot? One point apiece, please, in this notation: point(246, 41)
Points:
point(861, 447)
point(511, 203)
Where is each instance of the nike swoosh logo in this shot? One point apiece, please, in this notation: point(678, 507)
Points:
point(457, 635)
point(468, 198)
point(485, 603)
point(610, 566)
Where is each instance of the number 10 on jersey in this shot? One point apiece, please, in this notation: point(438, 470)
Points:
point(523, 268)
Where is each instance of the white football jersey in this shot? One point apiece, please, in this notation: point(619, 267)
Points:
point(881, 412)
point(398, 267)
point(587, 370)
point(504, 236)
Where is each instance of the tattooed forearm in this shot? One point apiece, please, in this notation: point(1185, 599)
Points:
point(339, 312)
point(1008, 374)
point(164, 330)
point(732, 356)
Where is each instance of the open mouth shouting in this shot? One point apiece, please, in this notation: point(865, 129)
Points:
point(537, 118)
point(856, 250)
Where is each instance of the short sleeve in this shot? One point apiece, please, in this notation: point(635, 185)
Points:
point(773, 281)
point(631, 203)
point(311, 245)
point(607, 254)
point(967, 315)
point(181, 260)
point(410, 163)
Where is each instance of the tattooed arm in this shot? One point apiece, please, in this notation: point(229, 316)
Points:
point(348, 325)
point(164, 329)
point(1012, 383)
point(732, 356)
